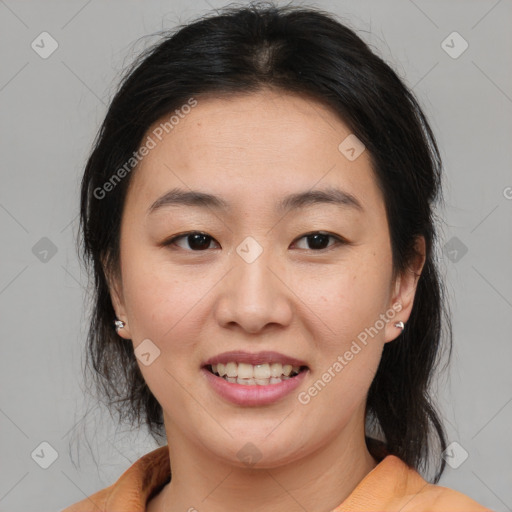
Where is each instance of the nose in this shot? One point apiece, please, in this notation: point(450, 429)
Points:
point(254, 296)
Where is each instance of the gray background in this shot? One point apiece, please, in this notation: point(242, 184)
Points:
point(50, 111)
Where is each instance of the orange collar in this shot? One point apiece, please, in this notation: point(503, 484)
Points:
point(390, 486)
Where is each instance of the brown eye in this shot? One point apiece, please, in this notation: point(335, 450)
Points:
point(319, 241)
point(196, 241)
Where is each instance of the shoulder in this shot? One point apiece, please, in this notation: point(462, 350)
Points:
point(133, 488)
point(393, 485)
point(422, 496)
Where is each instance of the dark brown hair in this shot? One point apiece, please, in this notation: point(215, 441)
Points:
point(291, 49)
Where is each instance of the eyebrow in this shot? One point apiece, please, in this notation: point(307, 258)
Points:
point(329, 195)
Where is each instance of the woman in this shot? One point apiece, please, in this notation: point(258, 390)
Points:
point(283, 373)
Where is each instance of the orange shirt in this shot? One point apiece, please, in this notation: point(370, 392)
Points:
point(390, 486)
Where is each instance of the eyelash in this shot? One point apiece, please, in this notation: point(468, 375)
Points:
point(337, 240)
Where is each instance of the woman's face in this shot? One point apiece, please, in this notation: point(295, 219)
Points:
point(254, 285)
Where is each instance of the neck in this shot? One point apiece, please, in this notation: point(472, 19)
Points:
point(319, 481)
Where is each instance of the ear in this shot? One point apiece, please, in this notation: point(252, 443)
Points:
point(115, 287)
point(404, 290)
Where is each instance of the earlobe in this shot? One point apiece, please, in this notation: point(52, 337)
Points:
point(121, 328)
point(120, 322)
point(405, 290)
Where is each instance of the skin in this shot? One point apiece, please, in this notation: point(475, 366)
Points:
point(309, 303)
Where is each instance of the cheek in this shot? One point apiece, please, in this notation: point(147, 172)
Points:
point(349, 338)
point(352, 306)
point(346, 299)
point(159, 300)
point(165, 310)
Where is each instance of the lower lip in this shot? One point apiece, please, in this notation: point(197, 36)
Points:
point(242, 394)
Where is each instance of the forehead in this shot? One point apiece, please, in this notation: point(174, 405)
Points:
point(252, 147)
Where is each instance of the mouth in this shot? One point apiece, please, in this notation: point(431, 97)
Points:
point(263, 374)
point(254, 379)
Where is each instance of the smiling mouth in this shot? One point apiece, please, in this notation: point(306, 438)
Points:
point(255, 375)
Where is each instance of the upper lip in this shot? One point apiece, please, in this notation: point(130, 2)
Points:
point(254, 358)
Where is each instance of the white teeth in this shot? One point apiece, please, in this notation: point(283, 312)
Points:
point(287, 369)
point(245, 371)
point(247, 382)
point(260, 374)
point(262, 371)
point(221, 369)
point(276, 370)
point(231, 370)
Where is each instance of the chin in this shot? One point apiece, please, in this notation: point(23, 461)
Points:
point(258, 453)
